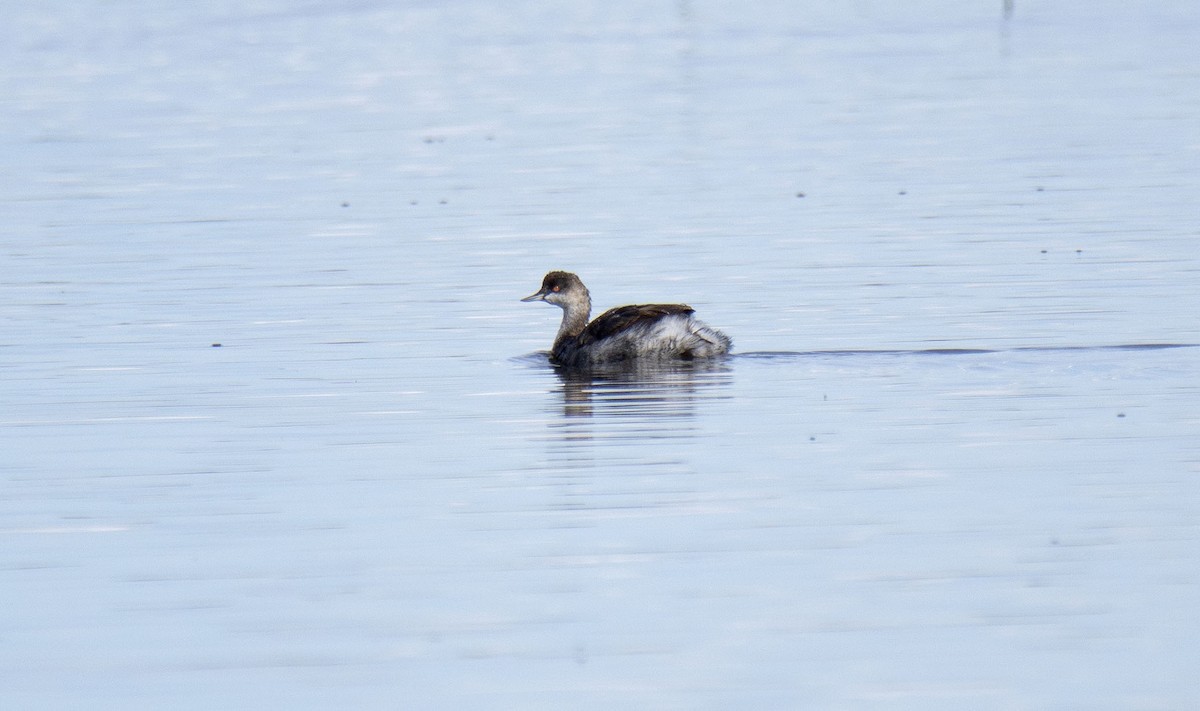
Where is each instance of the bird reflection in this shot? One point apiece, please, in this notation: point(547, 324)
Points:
point(637, 400)
point(617, 435)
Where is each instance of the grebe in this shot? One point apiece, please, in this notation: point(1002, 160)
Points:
point(660, 331)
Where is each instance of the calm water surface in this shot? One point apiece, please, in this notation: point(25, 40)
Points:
point(277, 433)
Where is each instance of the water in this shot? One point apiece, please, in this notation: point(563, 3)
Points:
point(950, 466)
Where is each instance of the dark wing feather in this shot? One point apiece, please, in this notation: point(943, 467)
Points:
point(622, 318)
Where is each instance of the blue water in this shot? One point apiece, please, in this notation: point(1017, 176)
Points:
point(277, 432)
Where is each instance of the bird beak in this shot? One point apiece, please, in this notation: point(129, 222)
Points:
point(540, 296)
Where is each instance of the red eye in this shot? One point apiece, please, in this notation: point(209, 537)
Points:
point(555, 289)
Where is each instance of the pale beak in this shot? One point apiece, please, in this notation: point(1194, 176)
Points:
point(540, 296)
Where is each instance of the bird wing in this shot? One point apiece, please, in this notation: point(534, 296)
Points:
point(614, 321)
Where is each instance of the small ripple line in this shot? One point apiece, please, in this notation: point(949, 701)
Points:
point(781, 355)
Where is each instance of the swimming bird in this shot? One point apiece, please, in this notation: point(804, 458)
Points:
point(660, 331)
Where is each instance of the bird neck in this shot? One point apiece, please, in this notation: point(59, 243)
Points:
point(575, 317)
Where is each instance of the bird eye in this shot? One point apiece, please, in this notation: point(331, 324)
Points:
point(555, 288)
